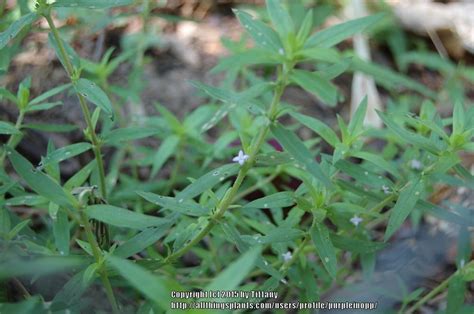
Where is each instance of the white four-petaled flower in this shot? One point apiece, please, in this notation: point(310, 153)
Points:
point(240, 158)
point(416, 164)
point(385, 189)
point(287, 256)
point(356, 220)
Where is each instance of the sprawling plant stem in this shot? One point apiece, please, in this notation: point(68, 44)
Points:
point(85, 110)
point(100, 163)
point(229, 197)
point(438, 289)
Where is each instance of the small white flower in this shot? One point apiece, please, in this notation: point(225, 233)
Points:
point(416, 164)
point(356, 220)
point(385, 189)
point(462, 263)
point(287, 256)
point(281, 51)
point(240, 158)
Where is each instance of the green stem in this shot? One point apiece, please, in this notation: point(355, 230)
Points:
point(228, 198)
point(100, 164)
point(435, 291)
point(98, 258)
point(11, 141)
point(85, 110)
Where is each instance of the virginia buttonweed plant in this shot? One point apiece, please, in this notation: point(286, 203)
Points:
point(248, 204)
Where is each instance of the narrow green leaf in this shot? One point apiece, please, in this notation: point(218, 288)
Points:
point(316, 85)
point(296, 148)
point(407, 136)
point(320, 54)
point(50, 93)
point(459, 118)
point(80, 177)
point(95, 95)
point(456, 292)
point(141, 241)
point(39, 266)
point(263, 35)
point(403, 207)
point(378, 161)
point(120, 135)
point(305, 28)
point(15, 230)
point(356, 245)
point(8, 128)
point(75, 60)
point(276, 235)
point(280, 18)
point(362, 175)
point(333, 35)
point(319, 127)
point(187, 207)
point(324, 247)
point(167, 148)
point(40, 182)
point(64, 153)
point(8, 95)
point(70, 293)
point(121, 217)
point(235, 273)
point(91, 4)
point(357, 120)
point(153, 287)
point(44, 106)
point(50, 127)
point(208, 180)
point(61, 231)
point(16, 27)
point(280, 199)
point(273, 159)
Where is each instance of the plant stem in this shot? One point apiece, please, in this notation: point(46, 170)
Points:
point(224, 204)
point(85, 109)
point(11, 141)
point(435, 291)
point(100, 164)
point(98, 258)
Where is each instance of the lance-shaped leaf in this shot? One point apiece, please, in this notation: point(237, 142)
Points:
point(187, 207)
point(324, 247)
point(153, 287)
point(121, 217)
point(40, 182)
point(165, 151)
point(235, 273)
point(362, 175)
point(117, 136)
point(263, 35)
point(91, 4)
point(356, 245)
point(141, 241)
point(317, 85)
point(319, 127)
point(281, 20)
point(16, 27)
point(333, 35)
point(280, 199)
point(64, 153)
point(49, 93)
point(8, 128)
point(403, 207)
point(95, 95)
point(38, 266)
point(208, 180)
point(298, 150)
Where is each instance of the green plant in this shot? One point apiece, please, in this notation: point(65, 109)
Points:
point(315, 203)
